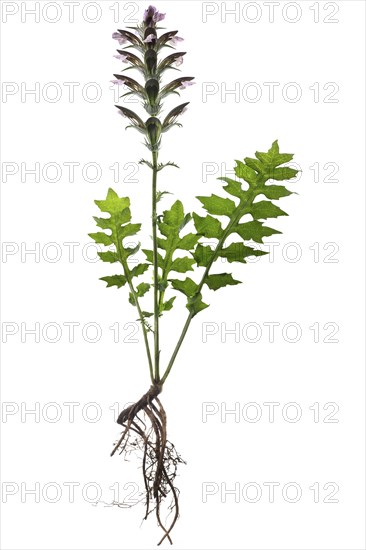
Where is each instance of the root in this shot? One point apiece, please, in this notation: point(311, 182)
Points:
point(159, 457)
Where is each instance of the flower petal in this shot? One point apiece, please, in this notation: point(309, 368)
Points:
point(158, 16)
point(121, 39)
point(150, 38)
point(121, 57)
point(186, 84)
point(175, 39)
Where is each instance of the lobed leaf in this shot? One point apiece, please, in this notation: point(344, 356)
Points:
point(266, 209)
point(217, 205)
point(275, 192)
point(182, 265)
point(208, 226)
point(168, 305)
point(254, 231)
point(195, 304)
point(188, 242)
point(203, 255)
point(187, 286)
point(237, 252)
point(114, 280)
point(101, 238)
point(214, 282)
point(110, 257)
point(245, 172)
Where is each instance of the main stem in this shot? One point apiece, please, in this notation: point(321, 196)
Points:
point(240, 211)
point(156, 273)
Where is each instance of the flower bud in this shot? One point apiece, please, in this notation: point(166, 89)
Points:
point(153, 127)
point(151, 61)
point(152, 90)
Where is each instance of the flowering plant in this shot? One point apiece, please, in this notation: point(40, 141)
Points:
point(226, 216)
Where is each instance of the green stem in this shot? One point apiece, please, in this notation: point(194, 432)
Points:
point(141, 317)
point(156, 273)
point(164, 276)
point(238, 214)
point(177, 348)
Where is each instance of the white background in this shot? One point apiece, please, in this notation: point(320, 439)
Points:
point(38, 290)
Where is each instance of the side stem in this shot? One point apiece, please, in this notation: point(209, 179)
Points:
point(141, 317)
point(240, 211)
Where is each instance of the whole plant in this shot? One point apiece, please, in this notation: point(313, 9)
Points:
point(181, 256)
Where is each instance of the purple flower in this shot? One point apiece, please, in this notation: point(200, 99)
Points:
point(175, 39)
point(121, 57)
point(121, 39)
point(118, 82)
point(186, 84)
point(149, 13)
point(178, 61)
point(153, 15)
point(150, 38)
point(158, 16)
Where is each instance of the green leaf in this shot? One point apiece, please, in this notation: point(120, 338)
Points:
point(129, 230)
point(237, 252)
point(130, 250)
point(245, 172)
point(233, 187)
point(147, 314)
point(113, 204)
point(115, 280)
point(284, 173)
point(175, 216)
point(118, 225)
point(273, 157)
point(167, 306)
point(255, 164)
point(195, 304)
point(101, 238)
point(181, 265)
point(275, 192)
point(172, 223)
point(187, 286)
point(208, 226)
point(203, 255)
point(110, 257)
point(265, 209)
point(254, 231)
point(141, 290)
point(139, 270)
point(150, 257)
point(187, 219)
point(217, 205)
point(103, 223)
point(214, 282)
point(188, 242)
